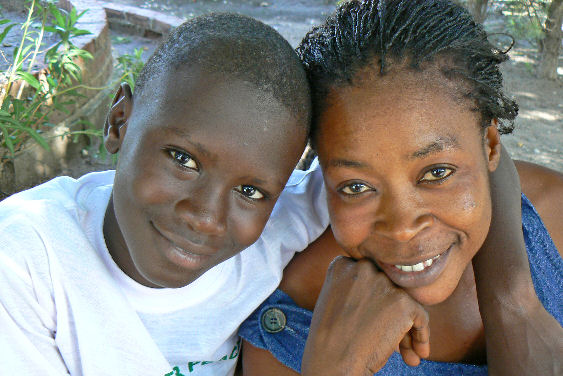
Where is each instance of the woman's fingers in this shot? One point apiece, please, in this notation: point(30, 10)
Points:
point(410, 357)
point(360, 318)
point(420, 333)
point(416, 343)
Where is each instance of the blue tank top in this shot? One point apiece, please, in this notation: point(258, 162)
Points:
point(286, 340)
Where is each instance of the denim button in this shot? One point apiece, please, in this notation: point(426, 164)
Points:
point(273, 320)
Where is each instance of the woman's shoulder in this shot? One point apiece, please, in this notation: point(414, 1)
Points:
point(544, 189)
point(304, 276)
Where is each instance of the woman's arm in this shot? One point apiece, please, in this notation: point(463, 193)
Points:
point(259, 362)
point(522, 337)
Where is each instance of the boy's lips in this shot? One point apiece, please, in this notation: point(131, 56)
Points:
point(183, 252)
point(419, 273)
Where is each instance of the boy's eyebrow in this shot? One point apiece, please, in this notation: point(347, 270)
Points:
point(441, 143)
point(261, 182)
point(187, 137)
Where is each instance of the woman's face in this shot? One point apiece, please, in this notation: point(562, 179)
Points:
point(406, 167)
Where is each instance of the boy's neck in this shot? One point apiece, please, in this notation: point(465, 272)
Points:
point(456, 329)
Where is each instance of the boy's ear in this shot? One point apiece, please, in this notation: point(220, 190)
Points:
point(492, 145)
point(116, 121)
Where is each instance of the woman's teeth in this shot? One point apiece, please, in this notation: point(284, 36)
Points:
point(417, 267)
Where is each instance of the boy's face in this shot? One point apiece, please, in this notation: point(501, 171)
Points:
point(203, 159)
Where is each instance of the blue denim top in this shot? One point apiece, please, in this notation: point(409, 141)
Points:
point(287, 345)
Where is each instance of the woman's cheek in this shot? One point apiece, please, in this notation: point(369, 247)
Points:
point(471, 206)
point(350, 223)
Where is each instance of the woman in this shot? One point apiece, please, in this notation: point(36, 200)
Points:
point(409, 107)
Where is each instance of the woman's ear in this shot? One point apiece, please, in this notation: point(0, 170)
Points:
point(116, 121)
point(492, 145)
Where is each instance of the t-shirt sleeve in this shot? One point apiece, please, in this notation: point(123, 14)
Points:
point(300, 215)
point(307, 197)
point(27, 309)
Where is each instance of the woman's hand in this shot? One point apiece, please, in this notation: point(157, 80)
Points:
point(359, 320)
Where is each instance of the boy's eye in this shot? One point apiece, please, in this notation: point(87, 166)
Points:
point(354, 188)
point(183, 159)
point(250, 192)
point(436, 174)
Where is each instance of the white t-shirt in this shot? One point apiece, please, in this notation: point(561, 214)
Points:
point(65, 306)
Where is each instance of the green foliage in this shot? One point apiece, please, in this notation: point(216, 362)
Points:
point(119, 40)
point(525, 18)
point(25, 114)
point(129, 66)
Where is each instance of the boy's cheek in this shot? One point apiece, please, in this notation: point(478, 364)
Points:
point(148, 188)
point(248, 227)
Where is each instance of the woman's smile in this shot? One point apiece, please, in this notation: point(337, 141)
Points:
point(418, 274)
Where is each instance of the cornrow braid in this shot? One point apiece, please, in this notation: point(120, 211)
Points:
point(362, 33)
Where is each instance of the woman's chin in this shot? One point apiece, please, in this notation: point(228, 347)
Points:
point(431, 295)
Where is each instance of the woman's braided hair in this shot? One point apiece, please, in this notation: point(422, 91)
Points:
point(392, 31)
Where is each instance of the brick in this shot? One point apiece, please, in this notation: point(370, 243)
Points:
point(139, 19)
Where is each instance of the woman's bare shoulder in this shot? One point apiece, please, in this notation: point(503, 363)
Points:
point(544, 188)
point(304, 276)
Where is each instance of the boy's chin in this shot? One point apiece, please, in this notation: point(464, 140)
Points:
point(169, 281)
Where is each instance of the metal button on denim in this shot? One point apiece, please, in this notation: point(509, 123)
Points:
point(273, 320)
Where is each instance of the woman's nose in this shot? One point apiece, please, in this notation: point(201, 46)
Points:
point(402, 216)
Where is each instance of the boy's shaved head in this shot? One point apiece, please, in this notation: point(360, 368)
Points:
point(235, 46)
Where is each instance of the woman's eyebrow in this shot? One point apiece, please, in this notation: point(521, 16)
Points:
point(442, 143)
point(339, 162)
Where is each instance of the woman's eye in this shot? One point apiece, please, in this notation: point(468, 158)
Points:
point(250, 192)
point(354, 188)
point(436, 174)
point(183, 159)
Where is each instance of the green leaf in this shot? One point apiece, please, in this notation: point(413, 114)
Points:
point(4, 21)
point(5, 32)
point(40, 140)
point(7, 139)
point(60, 21)
point(61, 108)
point(22, 54)
point(82, 13)
point(79, 32)
point(30, 79)
point(72, 16)
point(15, 124)
point(51, 81)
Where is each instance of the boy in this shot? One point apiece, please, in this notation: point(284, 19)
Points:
point(140, 271)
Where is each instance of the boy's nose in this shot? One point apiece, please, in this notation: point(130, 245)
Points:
point(401, 217)
point(204, 213)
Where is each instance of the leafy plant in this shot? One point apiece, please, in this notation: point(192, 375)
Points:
point(25, 112)
point(129, 66)
point(525, 18)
